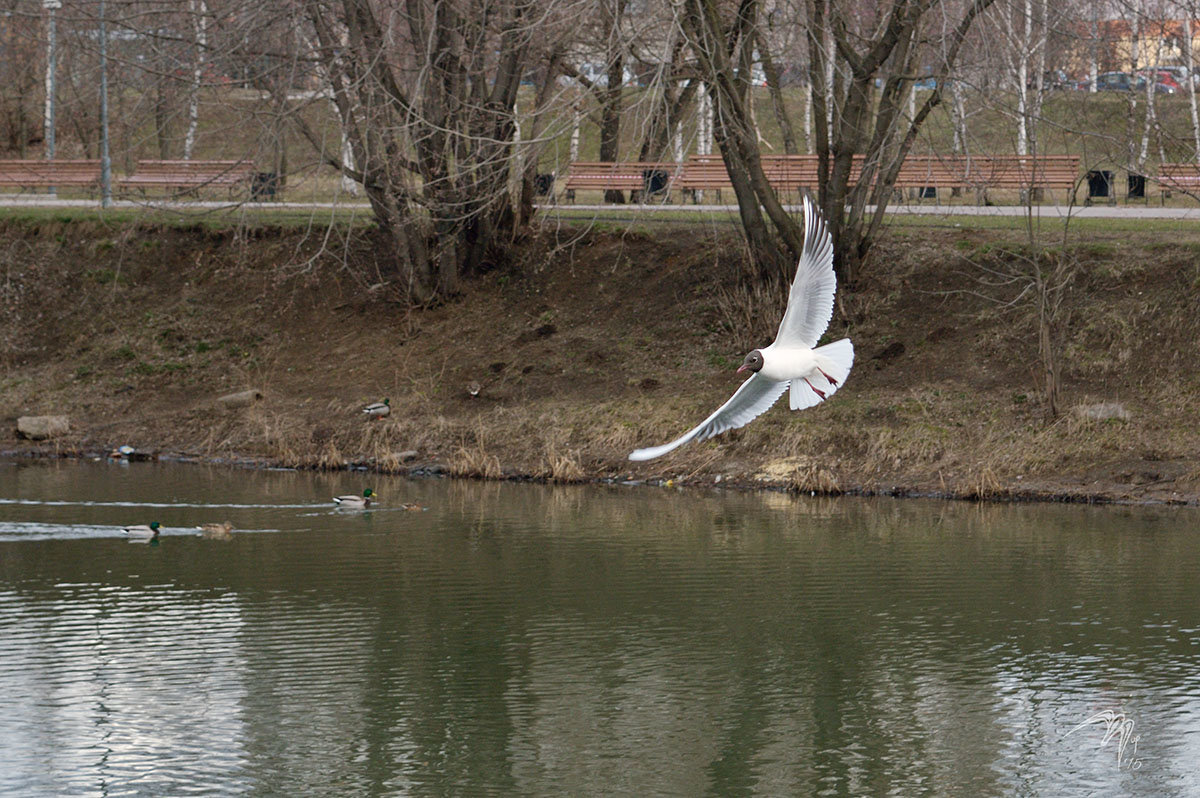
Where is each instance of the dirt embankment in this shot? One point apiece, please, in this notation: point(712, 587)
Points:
point(598, 342)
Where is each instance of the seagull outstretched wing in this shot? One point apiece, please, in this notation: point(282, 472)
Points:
point(810, 302)
point(751, 400)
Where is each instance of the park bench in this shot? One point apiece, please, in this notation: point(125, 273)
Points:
point(616, 176)
point(1183, 177)
point(790, 174)
point(44, 174)
point(980, 173)
point(924, 172)
point(189, 176)
point(703, 173)
point(787, 174)
point(1023, 173)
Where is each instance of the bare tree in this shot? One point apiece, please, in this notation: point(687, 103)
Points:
point(1035, 282)
point(884, 48)
point(723, 41)
point(852, 50)
point(425, 93)
point(20, 57)
point(1189, 62)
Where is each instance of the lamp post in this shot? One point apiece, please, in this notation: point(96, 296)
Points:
point(50, 7)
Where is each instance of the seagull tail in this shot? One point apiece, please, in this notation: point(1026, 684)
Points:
point(840, 357)
point(835, 360)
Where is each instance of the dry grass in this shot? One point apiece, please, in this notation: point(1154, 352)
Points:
point(893, 449)
point(983, 485)
point(559, 463)
point(815, 479)
point(748, 314)
point(565, 467)
point(473, 458)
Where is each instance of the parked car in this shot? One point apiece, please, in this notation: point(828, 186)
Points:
point(1115, 81)
point(1051, 79)
point(1179, 74)
point(1165, 80)
point(1123, 81)
point(1164, 84)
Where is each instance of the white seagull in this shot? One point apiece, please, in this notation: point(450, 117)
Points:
point(791, 359)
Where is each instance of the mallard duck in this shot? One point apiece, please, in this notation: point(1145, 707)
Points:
point(222, 531)
point(378, 409)
point(143, 533)
point(364, 500)
point(411, 506)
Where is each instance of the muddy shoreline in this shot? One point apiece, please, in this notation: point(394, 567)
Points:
point(592, 343)
point(440, 470)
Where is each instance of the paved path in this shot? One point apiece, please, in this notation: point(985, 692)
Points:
point(1044, 211)
point(48, 201)
point(1148, 211)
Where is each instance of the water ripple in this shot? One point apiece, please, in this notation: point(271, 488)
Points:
point(525, 640)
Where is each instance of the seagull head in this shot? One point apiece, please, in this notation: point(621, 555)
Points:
point(753, 362)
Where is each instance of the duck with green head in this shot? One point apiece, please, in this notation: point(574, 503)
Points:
point(378, 409)
point(365, 500)
point(144, 533)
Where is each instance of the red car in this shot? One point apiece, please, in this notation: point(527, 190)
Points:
point(1163, 80)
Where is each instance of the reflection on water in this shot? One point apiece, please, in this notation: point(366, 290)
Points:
point(533, 640)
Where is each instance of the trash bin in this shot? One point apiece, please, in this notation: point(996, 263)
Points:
point(263, 186)
point(1136, 187)
point(1099, 183)
point(543, 184)
point(655, 181)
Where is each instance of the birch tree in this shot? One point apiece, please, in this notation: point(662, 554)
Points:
point(1189, 62)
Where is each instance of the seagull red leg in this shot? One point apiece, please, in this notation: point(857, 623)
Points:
point(832, 381)
point(817, 391)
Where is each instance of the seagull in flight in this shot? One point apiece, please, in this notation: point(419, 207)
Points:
point(793, 359)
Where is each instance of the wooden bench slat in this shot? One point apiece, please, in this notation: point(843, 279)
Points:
point(790, 173)
point(188, 175)
point(31, 173)
point(1178, 176)
point(616, 175)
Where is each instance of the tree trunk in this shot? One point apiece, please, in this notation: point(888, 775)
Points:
point(610, 108)
point(161, 121)
point(1189, 60)
point(776, 90)
point(725, 55)
point(877, 130)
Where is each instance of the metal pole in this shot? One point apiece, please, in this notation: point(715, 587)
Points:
point(51, 68)
point(105, 162)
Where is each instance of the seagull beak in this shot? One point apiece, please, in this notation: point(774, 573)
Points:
point(742, 368)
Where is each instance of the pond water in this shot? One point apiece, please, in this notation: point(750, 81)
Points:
point(531, 640)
